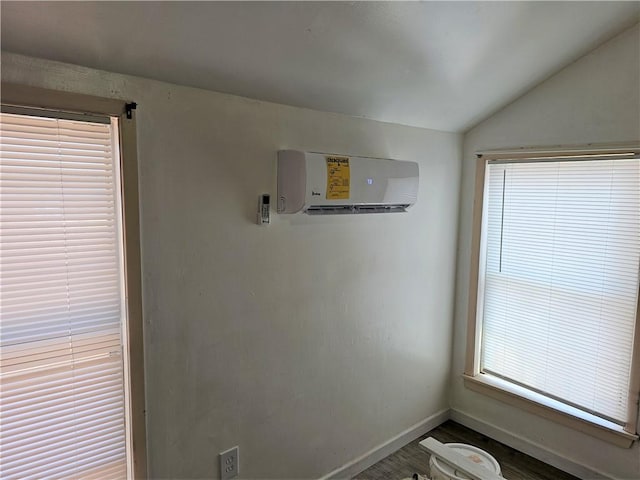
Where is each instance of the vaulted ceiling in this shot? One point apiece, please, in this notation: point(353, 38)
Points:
point(440, 65)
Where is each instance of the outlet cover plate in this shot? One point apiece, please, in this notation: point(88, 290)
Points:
point(229, 465)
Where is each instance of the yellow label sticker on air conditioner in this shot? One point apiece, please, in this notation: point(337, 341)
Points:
point(338, 178)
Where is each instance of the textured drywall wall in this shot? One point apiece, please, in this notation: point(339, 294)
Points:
point(307, 342)
point(594, 100)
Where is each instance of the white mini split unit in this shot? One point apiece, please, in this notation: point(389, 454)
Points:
point(325, 184)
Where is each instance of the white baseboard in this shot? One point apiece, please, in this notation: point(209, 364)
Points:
point(381, 451)
point(530, 448)
point(516, 442)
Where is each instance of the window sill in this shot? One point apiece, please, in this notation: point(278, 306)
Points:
point(551, 409)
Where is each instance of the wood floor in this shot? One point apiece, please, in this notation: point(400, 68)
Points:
point(412, 458)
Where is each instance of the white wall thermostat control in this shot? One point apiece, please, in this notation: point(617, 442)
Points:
point(264, 211)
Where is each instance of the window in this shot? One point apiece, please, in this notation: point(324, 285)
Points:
point(66, 403)
point(557, 284)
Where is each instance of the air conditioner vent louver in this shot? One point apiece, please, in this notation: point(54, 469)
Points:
point(353, 209)
point(326, 184)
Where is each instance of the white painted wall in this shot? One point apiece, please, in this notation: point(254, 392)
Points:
point(594, 100)
point(308, 342)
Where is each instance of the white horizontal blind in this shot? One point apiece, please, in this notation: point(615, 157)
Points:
point(561, 278)
point(62, 392)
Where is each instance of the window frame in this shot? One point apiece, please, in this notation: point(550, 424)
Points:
point(508, 392)
point(16, 95)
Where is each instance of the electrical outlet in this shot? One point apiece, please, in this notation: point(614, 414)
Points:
point(229, 466)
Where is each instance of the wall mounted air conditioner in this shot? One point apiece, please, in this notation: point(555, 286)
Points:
point(321, 184)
